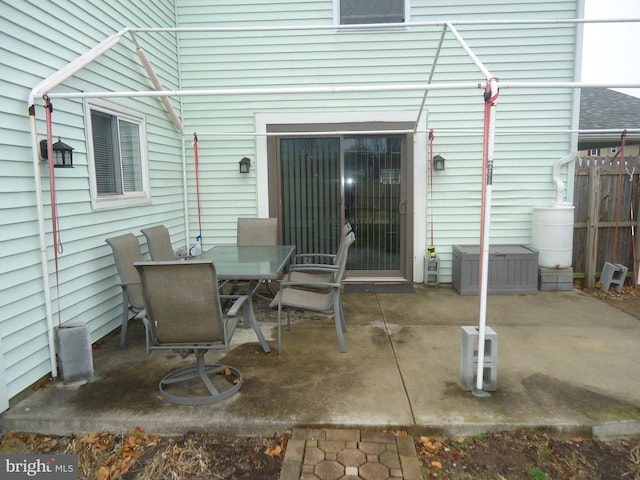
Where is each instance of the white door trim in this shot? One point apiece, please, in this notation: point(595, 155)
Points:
point(419, 213)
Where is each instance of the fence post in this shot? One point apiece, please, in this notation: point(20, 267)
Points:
point(592, 226)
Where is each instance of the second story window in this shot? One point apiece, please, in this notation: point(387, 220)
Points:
point(594, 152)
point(350, 12)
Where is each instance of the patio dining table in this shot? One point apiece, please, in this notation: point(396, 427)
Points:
point(253, 264)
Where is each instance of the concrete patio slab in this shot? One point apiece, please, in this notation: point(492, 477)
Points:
point(566, 362)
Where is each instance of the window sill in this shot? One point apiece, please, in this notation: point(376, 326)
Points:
point(105, 203)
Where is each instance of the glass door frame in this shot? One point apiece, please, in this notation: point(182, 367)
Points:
point(339, 130)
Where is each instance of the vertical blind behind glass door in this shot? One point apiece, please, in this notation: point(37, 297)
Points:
point(310, 176)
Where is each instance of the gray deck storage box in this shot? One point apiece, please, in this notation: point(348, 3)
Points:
point(512, 269)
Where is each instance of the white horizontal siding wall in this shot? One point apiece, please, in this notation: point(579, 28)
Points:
point(33, 46)
point(522, 175)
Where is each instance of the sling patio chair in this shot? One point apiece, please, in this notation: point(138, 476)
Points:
point(159, 243)
point(184, 314)
point(126, 251)
point(317, 267)
point(257, 231)
point(316, 296)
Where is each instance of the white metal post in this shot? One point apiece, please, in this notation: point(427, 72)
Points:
point(484, 240)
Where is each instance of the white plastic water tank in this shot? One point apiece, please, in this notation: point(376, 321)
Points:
point(552, 235)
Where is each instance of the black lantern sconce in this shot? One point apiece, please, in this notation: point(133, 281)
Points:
point(438, 162)
point(62, 154)
point(245, 165)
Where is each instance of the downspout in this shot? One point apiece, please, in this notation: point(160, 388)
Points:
point(560, 187)
point(39, 90)
point(185, 194)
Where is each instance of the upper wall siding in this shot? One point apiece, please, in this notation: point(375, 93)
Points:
point(33, 46)
point(264, 59)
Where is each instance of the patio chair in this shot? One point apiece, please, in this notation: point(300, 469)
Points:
point(316, 267)
point(159, 243)
point(126, 251)
point(316, 296)
point(184, 314)
point(257, 231)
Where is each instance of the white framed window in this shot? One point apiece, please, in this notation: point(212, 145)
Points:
point(613, 150)
point(594, 152)
point(117, 149)
point(353, 12)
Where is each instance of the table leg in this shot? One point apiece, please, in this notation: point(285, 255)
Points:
point(249, 317)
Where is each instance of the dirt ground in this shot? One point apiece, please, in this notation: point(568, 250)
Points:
point(511, 455)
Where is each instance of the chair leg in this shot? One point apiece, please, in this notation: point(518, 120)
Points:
point(200, 371)
point(279, 328)
point(339, 320)
point(125, 321)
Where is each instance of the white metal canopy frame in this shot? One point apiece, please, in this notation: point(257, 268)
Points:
point(491, 85)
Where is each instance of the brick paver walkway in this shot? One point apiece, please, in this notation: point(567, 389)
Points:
point(342, 454)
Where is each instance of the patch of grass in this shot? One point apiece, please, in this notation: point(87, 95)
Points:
point(543, 452)
point(536, 474)
point(464, 443)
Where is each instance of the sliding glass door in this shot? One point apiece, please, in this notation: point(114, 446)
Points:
point(326, 181)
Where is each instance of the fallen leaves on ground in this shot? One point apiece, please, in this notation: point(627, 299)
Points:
point(137, 455)
point(524, 455)
point(512, 455)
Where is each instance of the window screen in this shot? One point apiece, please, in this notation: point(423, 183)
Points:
point(118, 154)
point(371, 11)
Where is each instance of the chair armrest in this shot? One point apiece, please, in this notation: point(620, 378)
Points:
point(318, 267)
point(238, 303)
point(286, 284)
point(327, 256)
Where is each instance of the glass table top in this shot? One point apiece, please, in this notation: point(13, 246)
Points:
point(233, 262)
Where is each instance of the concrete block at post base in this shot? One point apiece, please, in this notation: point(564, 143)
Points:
point(73, 350)
point(470, 336)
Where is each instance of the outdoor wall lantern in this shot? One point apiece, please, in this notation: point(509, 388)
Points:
point(62, 153)
point(438, 162)
point(245, 165)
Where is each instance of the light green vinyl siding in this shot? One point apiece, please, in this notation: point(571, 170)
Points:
point(33, 46)
point(264, 59)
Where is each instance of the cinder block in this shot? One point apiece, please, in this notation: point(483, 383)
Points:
point(469, 358)
point(565, 286)
point(432, 271)
point(613, 274)
point(553, 279)
point(73, 348)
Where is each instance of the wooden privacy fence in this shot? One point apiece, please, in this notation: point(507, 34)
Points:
point(606, 199)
